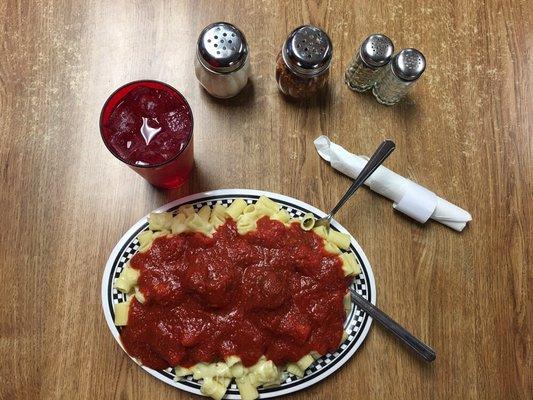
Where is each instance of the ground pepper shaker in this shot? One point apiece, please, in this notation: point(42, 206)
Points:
point(374, 53)
point(403, 71)
point(302, 66)
point(222, 64)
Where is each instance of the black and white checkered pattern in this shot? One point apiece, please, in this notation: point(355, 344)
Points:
point(129, 252)
point(353, 323)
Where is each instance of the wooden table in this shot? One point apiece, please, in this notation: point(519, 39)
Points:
point(465, 131)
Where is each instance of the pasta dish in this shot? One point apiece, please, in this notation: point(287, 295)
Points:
point(241, 292)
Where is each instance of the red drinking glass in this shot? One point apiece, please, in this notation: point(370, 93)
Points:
point(148, 125)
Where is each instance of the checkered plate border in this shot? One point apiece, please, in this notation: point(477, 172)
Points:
point(357, 323)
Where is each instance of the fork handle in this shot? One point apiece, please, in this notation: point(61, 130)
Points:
point(419, 347)
point(375, 161)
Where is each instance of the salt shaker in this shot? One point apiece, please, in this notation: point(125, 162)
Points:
point(403, 71)
point(302, 66)
point(222, 64)
point(374, 53)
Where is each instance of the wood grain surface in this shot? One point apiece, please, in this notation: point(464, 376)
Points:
point(465, 131)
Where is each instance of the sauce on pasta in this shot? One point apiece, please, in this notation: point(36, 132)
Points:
point(274, 292)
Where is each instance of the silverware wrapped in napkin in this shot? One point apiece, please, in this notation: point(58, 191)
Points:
point(409, 197)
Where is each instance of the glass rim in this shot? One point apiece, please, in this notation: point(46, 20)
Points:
point(189, 136)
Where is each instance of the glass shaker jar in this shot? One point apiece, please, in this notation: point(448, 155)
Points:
point(302, 66)
point(372, 56)
point(399, 76)
point(222, 64)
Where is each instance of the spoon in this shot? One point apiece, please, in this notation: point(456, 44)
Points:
point(382, 152)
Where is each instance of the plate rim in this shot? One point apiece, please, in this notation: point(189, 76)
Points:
point(236, 193)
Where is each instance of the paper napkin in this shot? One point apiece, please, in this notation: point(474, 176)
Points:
point(409, 197)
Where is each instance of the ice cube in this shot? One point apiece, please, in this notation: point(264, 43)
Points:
point(124, 119)
point(150, 102)
point(124, 143)
point(147, 156)
point(166, 144)
point(176, 121)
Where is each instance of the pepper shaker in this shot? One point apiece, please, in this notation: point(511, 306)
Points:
point(222, 64)
point(404, 70)
point(374, 53)
point(302, 65)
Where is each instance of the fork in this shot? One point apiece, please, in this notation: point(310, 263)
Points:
point(415, 344)
point(379, 156)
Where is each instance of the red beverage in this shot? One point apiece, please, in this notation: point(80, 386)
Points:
point(148, 125)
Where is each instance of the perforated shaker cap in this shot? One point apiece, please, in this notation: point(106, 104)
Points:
point(408, 64)
point(376, 50)
point(222, 47)
point(307, 51)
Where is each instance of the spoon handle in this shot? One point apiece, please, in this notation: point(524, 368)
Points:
point(375, 161)
point(419, 347)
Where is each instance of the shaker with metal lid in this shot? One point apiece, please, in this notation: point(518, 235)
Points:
point(302, 66)
point(403, 71)
point(374, 53)
point(222, 63)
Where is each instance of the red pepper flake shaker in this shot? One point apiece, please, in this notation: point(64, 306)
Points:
point(302, 66)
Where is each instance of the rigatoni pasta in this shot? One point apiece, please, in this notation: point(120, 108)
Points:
point(145, 240)
point(308, 222)
point(330, 247)
point(121, 313)
point(341, 240)
point(236, 208)
point(178, 224)
point(127, 279)
point(196, 223)
point(205, 213)
point(186, 209)
point(216, 376)
point(218, 215)
point(159, 221)
point(350, 265)
point(281, 215)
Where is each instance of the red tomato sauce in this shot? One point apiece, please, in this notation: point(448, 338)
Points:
point(273, 292)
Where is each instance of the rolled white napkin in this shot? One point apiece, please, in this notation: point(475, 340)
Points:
point(410, 198)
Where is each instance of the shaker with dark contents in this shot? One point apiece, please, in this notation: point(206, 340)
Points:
point(302, 66)
point(403, 71)
point(374, 53)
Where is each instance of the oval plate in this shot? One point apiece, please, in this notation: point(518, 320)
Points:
point(357, 323)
